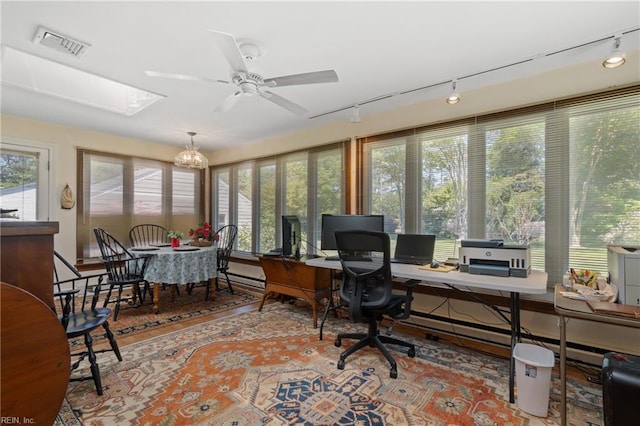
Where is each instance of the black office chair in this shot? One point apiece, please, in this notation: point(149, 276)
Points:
point(226, 237)
point(148, 234)
point(367, 291)
point(79, 315)
point(124, 270)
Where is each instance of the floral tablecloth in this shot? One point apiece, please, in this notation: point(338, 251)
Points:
point(169, 266)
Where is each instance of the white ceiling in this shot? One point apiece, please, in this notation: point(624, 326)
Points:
point(376, 48)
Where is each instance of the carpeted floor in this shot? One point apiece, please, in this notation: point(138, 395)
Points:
point(270, 368)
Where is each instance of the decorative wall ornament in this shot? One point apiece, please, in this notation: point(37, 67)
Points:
point(66, 200)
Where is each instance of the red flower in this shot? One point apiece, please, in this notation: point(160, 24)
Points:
point(203, 231)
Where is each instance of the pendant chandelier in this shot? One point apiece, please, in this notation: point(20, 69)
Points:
point(190, 157)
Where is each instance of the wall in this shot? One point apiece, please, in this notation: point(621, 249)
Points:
point(560, 84)
point(65, 141)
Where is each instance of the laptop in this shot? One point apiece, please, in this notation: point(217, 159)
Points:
point(414, 249)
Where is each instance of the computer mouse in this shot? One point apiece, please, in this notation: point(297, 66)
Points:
point(435, 264)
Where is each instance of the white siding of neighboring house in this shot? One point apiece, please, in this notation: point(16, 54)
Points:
point(21, 197)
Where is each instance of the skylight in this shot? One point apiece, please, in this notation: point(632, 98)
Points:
point(39, 75)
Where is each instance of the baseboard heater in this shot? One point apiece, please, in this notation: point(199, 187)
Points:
point(248, 278)
point(497, 330)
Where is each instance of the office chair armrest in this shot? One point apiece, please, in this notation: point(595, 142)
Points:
point(410, 284)
point(406, 312)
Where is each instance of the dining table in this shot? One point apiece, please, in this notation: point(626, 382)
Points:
point(172, 266)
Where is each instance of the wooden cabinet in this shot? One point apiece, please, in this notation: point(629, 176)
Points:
point(294, 278)
point(26, 256)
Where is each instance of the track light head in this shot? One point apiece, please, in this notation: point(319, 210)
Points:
point(454, 96)
point(616, 58)
point(355, 114)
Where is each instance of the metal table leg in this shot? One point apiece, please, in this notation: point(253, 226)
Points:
point(563, 370)
point(515, 338)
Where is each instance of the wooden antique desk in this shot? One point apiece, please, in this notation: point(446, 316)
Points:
point(294, 278)
point(566, 309)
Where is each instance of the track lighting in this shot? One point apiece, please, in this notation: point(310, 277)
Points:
point(616, 57)
point(454, 96)
point(355, 114)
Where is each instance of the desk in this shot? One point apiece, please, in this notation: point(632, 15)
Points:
point(535, 283)
point(570, 308)
point(294, 278)
point(172, 267)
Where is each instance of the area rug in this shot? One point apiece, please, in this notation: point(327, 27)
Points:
point(270, 368)
point(183, 307)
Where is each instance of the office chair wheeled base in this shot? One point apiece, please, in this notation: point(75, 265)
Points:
point(374, 340)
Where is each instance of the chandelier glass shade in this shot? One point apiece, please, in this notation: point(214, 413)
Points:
point(190, 157)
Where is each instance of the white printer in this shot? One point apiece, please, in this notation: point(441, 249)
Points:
point(624, 271)
point(493, 257)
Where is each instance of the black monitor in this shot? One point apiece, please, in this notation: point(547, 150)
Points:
point(334, 222)
point(291, 236)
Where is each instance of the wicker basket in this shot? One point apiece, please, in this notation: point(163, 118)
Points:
point(198, 243)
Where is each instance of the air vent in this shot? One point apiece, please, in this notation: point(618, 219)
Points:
point(60, 42)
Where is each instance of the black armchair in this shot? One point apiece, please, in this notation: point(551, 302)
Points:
point(79, 315)
point(367, 291)
point(123, 271)
point(148, 234)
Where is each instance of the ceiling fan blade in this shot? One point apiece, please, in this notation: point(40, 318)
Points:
point(229, 102)
point(183, 77)
point(327, 76)
point(231, 51)
point(284, 103)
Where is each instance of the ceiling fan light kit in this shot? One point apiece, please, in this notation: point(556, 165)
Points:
point(238, 53)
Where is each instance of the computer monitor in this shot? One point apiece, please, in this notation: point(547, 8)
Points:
point(291, 236)
point(333, 222)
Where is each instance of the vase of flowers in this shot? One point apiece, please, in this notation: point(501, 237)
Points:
point(201, 236)
point(175, 236)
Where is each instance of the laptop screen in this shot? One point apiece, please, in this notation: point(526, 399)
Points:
point(415, 246)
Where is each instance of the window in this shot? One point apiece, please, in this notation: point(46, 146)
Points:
point(418, 181)
point(118, 192)
point(244, 199)
point(562, 177)
point(515, 182)
point(267, 212)
point(24, 182)
point(604, 182)
point(305, 184)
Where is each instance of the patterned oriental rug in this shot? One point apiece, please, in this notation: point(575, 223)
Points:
point(269, 368)
point(132, 320)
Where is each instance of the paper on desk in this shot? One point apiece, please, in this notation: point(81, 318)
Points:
point(609, 294)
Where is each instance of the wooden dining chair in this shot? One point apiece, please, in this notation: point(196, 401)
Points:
point(79, 314)
point(226, 237)
point(124, 271)
point(148, 234)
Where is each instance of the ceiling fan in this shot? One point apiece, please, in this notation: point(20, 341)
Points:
point(249, 83)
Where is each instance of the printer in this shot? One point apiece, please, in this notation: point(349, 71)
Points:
point(493, 257)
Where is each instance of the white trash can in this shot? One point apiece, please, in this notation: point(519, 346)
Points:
point(533, 378)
